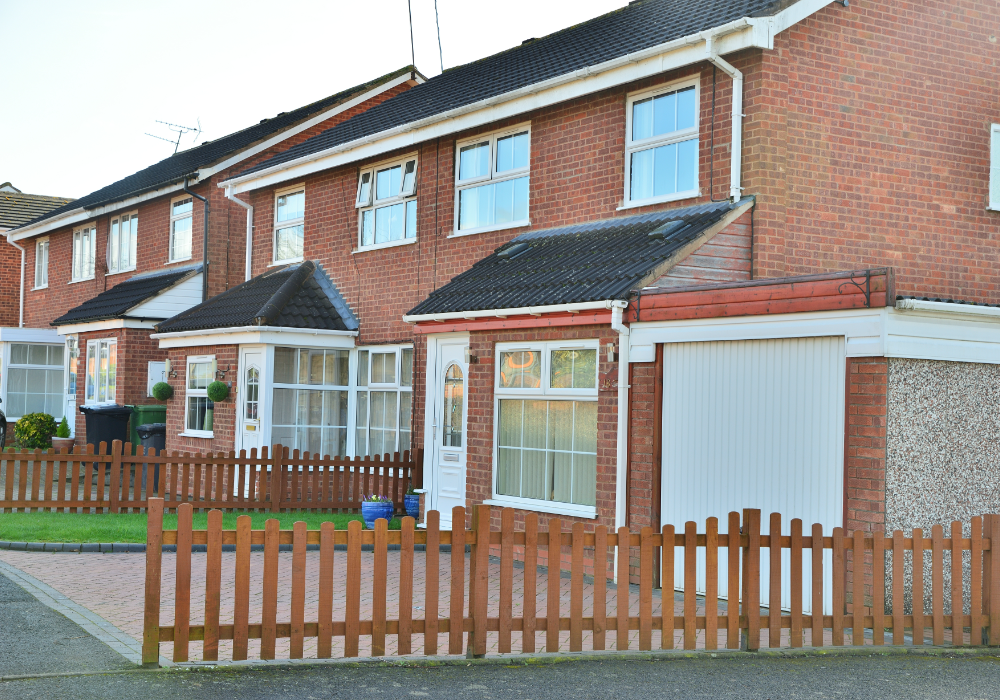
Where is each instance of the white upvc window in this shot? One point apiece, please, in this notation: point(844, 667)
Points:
point(41, 263)
point(310, 399)
point(122, 242)
point(84, 252)
point(102, 371)
point(491, 183)
point(199, 412)
point(387, 204)
point(994, 196)
point(384, 400)
point(181, 217)
point(289, 224)
point(661, 148)
point(545, 427)
point(35, 380)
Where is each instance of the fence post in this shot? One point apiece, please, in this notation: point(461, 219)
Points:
point(994, 580)
point(277, 477)
point(154, 553)
point(986, 579)
point(116, 480)
point(751, 579)
point(479, 564)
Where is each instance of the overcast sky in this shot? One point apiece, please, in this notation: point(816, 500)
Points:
point(83, 81)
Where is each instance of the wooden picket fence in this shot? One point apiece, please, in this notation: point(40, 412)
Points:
point(702, 620)
point(110, 481)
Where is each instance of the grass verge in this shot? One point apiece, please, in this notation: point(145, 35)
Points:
point(131, 527)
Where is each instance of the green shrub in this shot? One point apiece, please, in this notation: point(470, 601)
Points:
point(162, 391)
point(35, 430)
point(217, 391)
point(63, 430)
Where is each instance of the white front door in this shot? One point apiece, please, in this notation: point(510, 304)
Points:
point(448, 423)
point(250, 404)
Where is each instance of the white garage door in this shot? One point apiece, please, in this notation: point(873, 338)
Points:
point(754, 424)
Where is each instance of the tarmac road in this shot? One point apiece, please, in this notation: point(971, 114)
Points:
point(840, 677)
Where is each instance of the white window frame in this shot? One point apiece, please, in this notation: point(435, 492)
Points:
point(96, 344)
point(10, 365)
point(301, 221)
point(78, 233)
point(133, 248)
point(993, 198)
point(546, 393)
point(398, 387)
point(661, 140)
point(493, 176)
point(170, 238)
point(41, 263)
point(370, 204)
point(193, 393)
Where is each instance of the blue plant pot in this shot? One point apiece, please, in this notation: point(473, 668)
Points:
point(412, 504)
point(373, 510)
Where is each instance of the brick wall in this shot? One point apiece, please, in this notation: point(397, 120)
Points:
point(10, 282)
point(224, 419)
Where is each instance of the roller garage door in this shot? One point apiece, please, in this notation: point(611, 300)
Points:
point(753, 424)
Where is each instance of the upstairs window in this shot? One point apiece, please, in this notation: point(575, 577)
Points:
point(181, 211)
point(122, 243)
point(386, 198)
point(289, 224)
point(84, 253)
point(661, 153)
point(492, 181)
point(42, 263)
point(994, 167)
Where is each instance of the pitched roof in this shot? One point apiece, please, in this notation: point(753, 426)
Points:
point(174, 168)
point(125, 296)
point(296, 296)
point(638, 26)
point(17, 208)
point(594, 261)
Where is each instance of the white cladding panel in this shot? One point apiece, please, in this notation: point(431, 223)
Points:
point(172, 301)
point(754, 424)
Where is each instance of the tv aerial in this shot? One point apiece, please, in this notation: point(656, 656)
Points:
point(179, 130)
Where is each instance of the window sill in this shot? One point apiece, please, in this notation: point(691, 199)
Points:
point(503, 227)
point(281, 263)
point(380, 246)
point(119, 272)
point(44, 286)
point(178, 260)
point(197, 434)
point(587, 512)
point(690, 194)
point(82, 279)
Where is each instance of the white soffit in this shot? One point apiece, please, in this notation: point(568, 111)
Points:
point(258, 335)
point(11, 334)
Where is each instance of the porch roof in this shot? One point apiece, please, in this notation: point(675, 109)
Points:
point(296, 296)
point(124, 297)
point(594, 261)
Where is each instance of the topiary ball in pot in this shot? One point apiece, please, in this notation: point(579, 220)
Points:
point(217, 391)
point(162, 391)
point(35, 430)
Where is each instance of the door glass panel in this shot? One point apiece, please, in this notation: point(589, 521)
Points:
point(454, 400)
point(253, 393)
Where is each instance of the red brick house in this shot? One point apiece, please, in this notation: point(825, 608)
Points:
point(681, 259)
point(103, 269)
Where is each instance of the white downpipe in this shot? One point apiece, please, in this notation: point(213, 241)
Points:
point(736, 152)
point(20, 319)
point(249, 207)
point(623, 387)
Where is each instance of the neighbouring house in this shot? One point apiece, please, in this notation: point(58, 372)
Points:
point(684, 258)
point(104, 269)
point(31, 359)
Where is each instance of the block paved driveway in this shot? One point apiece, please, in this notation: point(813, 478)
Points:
point(111, 585)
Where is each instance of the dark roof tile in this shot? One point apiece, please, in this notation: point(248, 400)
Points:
point(17, 208)
point(117, 301)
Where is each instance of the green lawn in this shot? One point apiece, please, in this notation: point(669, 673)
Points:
point(131, 527)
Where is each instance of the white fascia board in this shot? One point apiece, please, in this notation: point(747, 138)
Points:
point(949, 308)
point(308, 124)
point(108, 325)
point(862, 329)
point(257, 335)
point(520, 311)
point(11, 334)
point(953, 335)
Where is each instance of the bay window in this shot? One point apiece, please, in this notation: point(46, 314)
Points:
point(384, 392)
point(181, 216)
point(84, 253)
point(310, 400)
point(199, 411)
point(35, 380)
point(289, 224)
point(661, 149)
point(546, 426)
point(492, 181)
point(122, 243)
point(102, 371)
point(387, 203)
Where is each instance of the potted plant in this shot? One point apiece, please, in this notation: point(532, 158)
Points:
point(411, 502)
point(375, 506)
point(62, 438)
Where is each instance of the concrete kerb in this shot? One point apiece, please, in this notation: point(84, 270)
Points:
point(138, 548)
